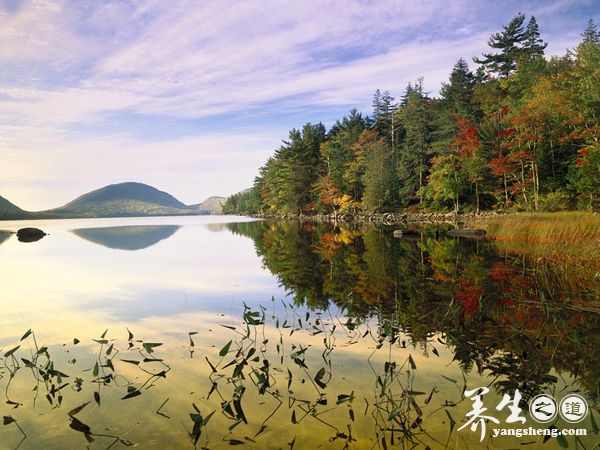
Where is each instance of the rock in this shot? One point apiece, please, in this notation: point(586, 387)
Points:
point(30, 234)
point(466, 232)
point(407, 232)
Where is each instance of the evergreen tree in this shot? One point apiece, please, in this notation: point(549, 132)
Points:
point(378, 175)
point(584, 117)
point(457, 95)
point(513, 44)
point(416, 151)
point(533, 45)
point(336, 151)
point(384, 116)
point(507, 42)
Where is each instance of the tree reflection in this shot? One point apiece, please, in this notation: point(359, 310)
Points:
point(500, 313)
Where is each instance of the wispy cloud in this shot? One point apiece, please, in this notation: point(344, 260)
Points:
point(77, 74)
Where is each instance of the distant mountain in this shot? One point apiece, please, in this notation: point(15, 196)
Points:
point(212, 205)
point(124, 199)
point(9, 210)
point(118, 200)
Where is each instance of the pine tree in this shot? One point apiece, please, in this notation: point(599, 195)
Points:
point(457, 95)
point(384, 116)
point(514, 43)
point(416, 150)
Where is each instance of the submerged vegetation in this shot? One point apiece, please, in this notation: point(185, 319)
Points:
point(281, 377)
point(521, 133)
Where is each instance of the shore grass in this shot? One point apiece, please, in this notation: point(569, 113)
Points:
point(572, 237)
point(564, 249)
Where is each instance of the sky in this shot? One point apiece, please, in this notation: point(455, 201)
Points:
point(193, 96)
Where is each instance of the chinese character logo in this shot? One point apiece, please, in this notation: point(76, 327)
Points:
point(543, 408)
point(573, 408)
point(476, 416)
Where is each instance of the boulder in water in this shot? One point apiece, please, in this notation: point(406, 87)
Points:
point(30, 234)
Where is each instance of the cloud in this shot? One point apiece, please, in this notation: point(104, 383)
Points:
point(184, 93)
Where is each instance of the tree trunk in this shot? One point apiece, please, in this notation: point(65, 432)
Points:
point(477, 196)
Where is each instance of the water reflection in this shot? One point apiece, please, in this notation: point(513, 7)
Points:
point(4, 235)
point(127, 237)
point(499, 313)
point(373, 347)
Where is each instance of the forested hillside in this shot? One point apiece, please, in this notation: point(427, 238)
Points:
point(521, 132)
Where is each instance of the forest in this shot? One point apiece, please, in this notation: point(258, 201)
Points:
point(520, 133)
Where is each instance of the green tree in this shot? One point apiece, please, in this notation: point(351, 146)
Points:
point(378, 177)
point(336, 151)
point(416, 118)
point(457, 94)
point(585, 116)
point(289, 176)
point(512, 44)
point(384, 111)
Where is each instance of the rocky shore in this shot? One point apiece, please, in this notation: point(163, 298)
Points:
point(391, 218)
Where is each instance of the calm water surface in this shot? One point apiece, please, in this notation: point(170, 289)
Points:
point(208, 332)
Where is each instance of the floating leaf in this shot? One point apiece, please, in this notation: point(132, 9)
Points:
point(77, 425)
point(227, 410)
point(130, 361)
point(300, 362)
point(96, 369)
point(8, 420)
point(149, 346)
point(26, 335)
point(237, 405)
point(97, 397)
point(430, 396)
point(131, 394)
point(78, 409)
point(211, 366)
point(411, 361)
point(27, 362)
point(319, 378)
point(10, 352)
point(235, 442)
point(344, 398)
point(225, 349)
point(75, 341)
point(434, 351)
point(103, 335)
point(129, 334)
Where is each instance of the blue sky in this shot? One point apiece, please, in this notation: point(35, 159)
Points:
point(192, 97)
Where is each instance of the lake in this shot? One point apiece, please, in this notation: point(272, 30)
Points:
point(212, 332)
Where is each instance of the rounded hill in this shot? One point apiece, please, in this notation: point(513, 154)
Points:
point(127, 191)
point(123, 199)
